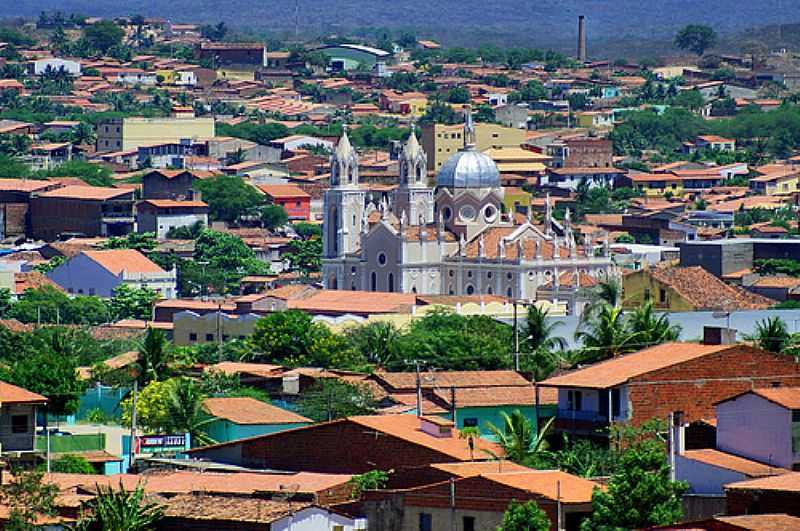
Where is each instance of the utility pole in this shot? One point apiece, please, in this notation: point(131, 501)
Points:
point(516, 338)
point(453, 403)
point(133, 422)
point(219, 331)
point(419, 389)
point(453, 526)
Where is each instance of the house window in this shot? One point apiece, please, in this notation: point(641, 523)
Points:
point(192, 336)
point(615, 403)
point(425, 522)
point(574, 400)
point(662, 296)
point(209, 337)
point(469, 523)
point(91, 291)
point(471, 422)
point(19, 423)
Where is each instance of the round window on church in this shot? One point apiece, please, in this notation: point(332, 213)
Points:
point(470, 289)
point(382, 259)
point(489, 213)
point(467, 213)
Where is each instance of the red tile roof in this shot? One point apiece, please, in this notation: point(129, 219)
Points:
point(129, 260)
point(445, 380)
point(551, 484)
point(12, 394)
point(762, 522)
point(621, 369)
point(257, 369)
point(788, 397)
point(784, 483)
point(283, 191)
point(728, 461)
point(706, 292)
point(246, 410)
point(356, 302)
point(92, 193)
point(490, 396)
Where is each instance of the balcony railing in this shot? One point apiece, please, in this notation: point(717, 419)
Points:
point(584, 416)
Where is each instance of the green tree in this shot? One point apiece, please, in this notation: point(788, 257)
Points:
point(640, 493)
point(377, 341)
point(54, 376)
point(151, 407)
point(28, 497)
point(45, 305)
point(771, 335)
point(372, 480)
point(5, 301)
point(273, 216)
point(519, 440)
point(604, 334)
point(140, 241)
point(103, 35)
point(70, 464)
point(186, 414)
point(221, 259)
point(115, 510)
point(690, 99)
point(132, 303)
point(538, 333)
point(307, 230)
point(291, 338)
point(229, 197)
point(305, 256)
point(696, 38)
point(649, 328)
point(154, 355)
point(330, 399)
point(524, 517)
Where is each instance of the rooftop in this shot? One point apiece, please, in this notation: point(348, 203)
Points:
point(118, 260)
point(11, 394)
point(355, 302)
point(621, 369)
point(91, 193)
point(246, 410)
point(783, 483)
point(762, 522)
point(706, 292)
point(732, 462)
point(551, 484)
point(457, 379)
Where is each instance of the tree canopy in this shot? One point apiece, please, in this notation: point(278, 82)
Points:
point(696, 38)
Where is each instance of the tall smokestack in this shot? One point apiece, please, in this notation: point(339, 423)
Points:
point(581, 39)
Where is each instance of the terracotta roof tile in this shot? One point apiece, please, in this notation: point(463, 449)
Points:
point(246, 410)
point(777, 282)
point(256, 369)
point(129, 260)
point(728, 461)
point(93, 193)
point(567, 279)
point(459, 379)
point(476, 468)
point(11, 394)
point(230, 509)
point(358, 302)
point(788, 397)
point(283, 191)
point(490, 396)
point(762, 522)
point(621, 369)
point(706, 292)
point(785, 483)
point(32, 280)
point(551, 484)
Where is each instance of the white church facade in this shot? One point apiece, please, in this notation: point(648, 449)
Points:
point(451, 240)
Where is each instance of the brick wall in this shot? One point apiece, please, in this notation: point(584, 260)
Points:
point(695, 386)
point(337, 448)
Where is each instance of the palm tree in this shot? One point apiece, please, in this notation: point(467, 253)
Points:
point(377, 341)
point(518, 440)
point(470, 433)
point(605, 334)
point(539, 333)
point(605, 293)
point(649, 328)
point(114, 510)
point(771, 335)
point(185, 410)
point(153, 356)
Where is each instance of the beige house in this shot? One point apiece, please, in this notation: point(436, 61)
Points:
point(440, 142)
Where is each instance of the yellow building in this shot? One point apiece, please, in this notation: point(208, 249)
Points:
point(123, 134)
point(441, 141)
point(656, 184)
point(781, 182)
point(516, 200)
point(515, 160)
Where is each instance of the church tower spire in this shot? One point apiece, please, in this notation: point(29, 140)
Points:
point(414, 195)
point(344, 163)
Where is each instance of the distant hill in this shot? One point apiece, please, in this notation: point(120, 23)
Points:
point(455, 22)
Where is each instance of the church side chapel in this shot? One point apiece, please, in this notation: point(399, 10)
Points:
point(453, 239)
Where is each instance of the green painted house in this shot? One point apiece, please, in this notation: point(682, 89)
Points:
point(242, 417)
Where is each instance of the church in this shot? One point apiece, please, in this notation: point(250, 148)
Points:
point(454, 239)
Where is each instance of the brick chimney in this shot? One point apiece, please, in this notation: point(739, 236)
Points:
point(581, 39)
point(719, 335)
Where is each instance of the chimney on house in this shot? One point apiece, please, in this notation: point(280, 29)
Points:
point(719, 335)
point(581, 39)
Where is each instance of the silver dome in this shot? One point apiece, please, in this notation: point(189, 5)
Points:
point(469, 169)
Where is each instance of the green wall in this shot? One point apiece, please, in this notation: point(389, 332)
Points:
point(224, 430)
point(485, 415)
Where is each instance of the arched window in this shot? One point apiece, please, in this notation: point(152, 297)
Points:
point(419, 173)
point(391, 282)
point(373, 281)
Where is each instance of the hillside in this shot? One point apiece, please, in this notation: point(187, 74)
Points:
point(456, 22)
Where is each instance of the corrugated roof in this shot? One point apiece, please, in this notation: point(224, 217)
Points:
point(619, 370)
point(246, 410)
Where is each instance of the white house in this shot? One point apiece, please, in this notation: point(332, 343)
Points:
point(38, 67)
point(318, 519)
point(101, 272)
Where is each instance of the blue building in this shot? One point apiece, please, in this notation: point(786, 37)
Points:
point(242, 417)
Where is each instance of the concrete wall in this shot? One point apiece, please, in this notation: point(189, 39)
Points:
point(17, 441)
point(703, 478)
point(145, 131)
point(754, 427)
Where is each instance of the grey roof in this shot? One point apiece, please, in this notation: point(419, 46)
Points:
point(469, 169)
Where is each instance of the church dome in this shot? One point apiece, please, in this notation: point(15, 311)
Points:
point(469, 169)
